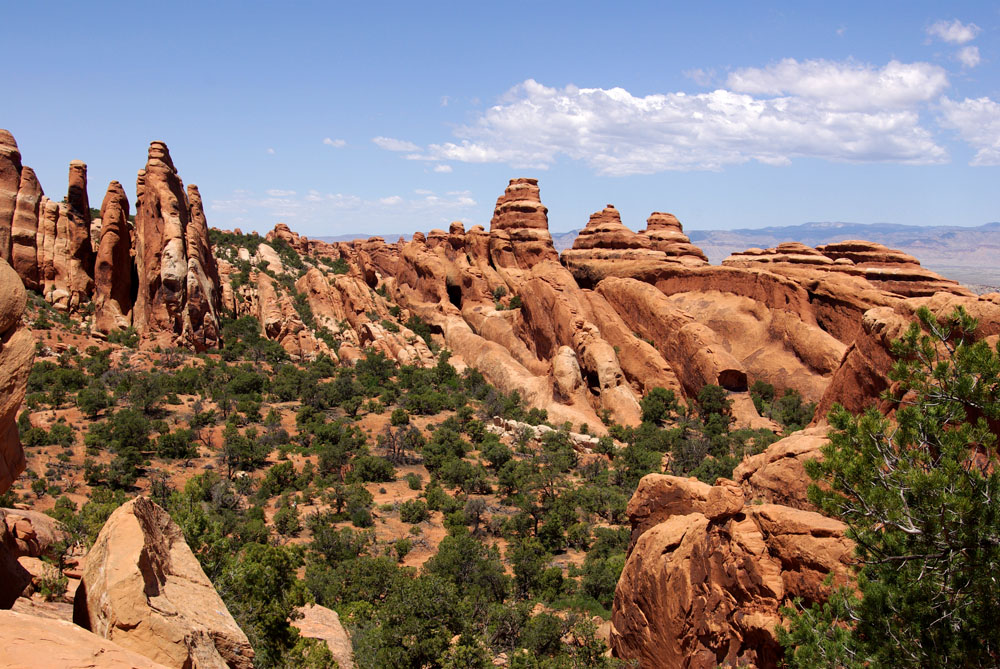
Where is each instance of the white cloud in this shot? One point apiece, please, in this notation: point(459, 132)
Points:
point(335, 143)
point(968, 56)
point(270, 151)
point(390, 201)
point(444, 169)
point(953, 32)
point(617, 133)
point(700, 76)
point(277, 192)
point(850, 85)
point(978, 123)
point(390, 144)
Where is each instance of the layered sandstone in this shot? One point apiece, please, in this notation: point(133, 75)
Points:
point(888, 270)
point(178, 291)
point(144, 590)
point(666, 234)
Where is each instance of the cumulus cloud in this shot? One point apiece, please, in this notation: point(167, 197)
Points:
point(390, 144)
point(978, 123)
point(390, 201)
point(442, 168)
point(816, 109)
point(953, 32)
point(844, 86)
point(335, 143)
point(277, 192)
point(270, 151)
point(968, 56)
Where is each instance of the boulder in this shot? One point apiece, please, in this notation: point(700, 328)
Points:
point(17, 352)
point(143, 589)
point(30, 641)
point(32, 533)
point(706, 576)
point(319, 622)
point(778, 475)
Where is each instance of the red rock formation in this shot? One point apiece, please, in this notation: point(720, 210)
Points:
point(144, 590)
point(706, 576)
point(24, 229)
point(113, 269)
point(864, 371)
point(604, 230)
point(178, 284)
point(10, 181)
point(30, 641)
point(520, 227)
point(17, 352)
point(666, 234)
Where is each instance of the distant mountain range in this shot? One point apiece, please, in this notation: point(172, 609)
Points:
point(970, 255)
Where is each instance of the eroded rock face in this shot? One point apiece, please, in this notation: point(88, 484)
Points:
point(144, 590)
point(178, 283)
point(17, 352)
point(524, 220)
point(113, 268)
point(707, 574)
point(10, 181)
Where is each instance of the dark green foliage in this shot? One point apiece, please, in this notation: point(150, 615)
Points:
point(788, 409)
point(402, 635)
point(468, 564)
point(658, 405)
point(176, 444)
point(127, 337)
point(368, 468)
point(244, 341)
point(413, 511)
point(921, 496)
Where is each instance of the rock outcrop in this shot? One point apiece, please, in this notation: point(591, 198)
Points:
point(706, 574)
point(178, 291)
point(144, 590)
point(17, 352)
point(113, 269)
point(666, 235)
point(29, 642)
point(161, 278)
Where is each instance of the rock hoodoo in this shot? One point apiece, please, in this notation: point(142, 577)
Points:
point(160, 276)
point(113, 270)
point(178, 283)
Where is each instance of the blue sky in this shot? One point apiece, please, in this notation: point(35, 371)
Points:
point(385, 117)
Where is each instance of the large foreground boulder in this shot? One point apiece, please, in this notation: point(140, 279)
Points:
point(29, 642)
point(17, 351)
point(144, 589)
point(707, 575)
